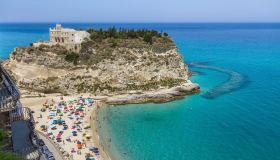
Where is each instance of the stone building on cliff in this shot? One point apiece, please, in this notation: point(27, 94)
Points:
point(67, 37)
point(71, 39)
point(59, 35)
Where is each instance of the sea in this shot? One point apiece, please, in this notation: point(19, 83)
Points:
point(236, 116)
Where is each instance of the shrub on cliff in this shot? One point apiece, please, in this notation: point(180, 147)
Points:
point(148, 38)
point(72, 57)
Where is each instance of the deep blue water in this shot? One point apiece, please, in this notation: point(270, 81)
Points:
point(235, 117)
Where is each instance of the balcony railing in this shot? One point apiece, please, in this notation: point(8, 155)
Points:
point(9, 93)
point(9, 81)
point(7, 102)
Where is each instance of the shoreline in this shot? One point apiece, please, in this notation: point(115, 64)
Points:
point(95, 134)
point(161, 95)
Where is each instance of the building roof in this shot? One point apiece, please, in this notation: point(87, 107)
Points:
point(20, 135)
point(58, 27)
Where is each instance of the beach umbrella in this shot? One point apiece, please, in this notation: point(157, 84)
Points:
point(74, 133)
point(49, 132)
point(65, 127)
point(53, 126)
point(87, 136)
point(79, 146)
point(77, 122)
point(58, 136)
point(95, 151)
point(87, 126)
point(90, 148)
point(51, 122)
point(68, 138)
point(55, 121)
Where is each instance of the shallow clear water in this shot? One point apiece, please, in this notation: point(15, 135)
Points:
point(236, 115)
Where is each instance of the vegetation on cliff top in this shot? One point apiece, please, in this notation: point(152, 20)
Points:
point(103, 43)
point(123, 33)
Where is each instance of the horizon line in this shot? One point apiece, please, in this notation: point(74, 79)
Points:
point(139, 22)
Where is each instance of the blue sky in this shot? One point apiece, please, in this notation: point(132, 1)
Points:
point(140, 11)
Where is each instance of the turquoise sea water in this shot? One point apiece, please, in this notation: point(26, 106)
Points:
point(236, 115)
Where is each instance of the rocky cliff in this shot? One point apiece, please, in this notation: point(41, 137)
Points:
point(104, 66)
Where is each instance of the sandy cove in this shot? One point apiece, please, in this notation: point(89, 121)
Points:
point(36, 103)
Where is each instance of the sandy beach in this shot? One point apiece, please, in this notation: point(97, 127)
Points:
point(69, 149)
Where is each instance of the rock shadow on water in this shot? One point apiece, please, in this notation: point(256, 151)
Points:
point(150, 119)
point(235, 81)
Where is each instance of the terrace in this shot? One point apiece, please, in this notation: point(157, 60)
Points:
point(24, 137)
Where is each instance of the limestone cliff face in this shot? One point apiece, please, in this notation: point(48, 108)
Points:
point(102, 68)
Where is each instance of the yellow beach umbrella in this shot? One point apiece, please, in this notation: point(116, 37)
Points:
point(87, 136)
point(87, 126)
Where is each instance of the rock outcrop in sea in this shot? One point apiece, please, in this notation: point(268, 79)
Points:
point(109, 66)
